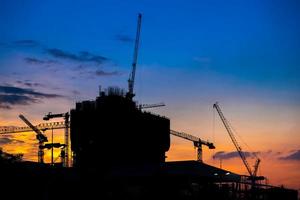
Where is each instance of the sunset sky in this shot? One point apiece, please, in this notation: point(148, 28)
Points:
point(243, 54)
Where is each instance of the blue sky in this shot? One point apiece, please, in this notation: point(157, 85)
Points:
point(255, 42)
point(235, 50)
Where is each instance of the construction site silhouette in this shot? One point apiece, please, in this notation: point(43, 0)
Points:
point(119, 152)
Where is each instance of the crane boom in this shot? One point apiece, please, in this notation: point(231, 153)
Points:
point(42, 126)
point(40, 136)
point(135, 56)
point(230, 132)
point(197, 142)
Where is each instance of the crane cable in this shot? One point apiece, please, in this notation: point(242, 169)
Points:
point(213, 134)
point(243, 141)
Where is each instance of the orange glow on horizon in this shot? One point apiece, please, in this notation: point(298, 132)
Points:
point(279, 172)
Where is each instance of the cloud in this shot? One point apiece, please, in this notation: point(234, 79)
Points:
point(10, 96)
point(36, 61)
point(293, 156)
point(75, 92)
point(11, 99)
point(82, 56)
point(103, 73)
point(124, 38)
point(28, 83)
point(6, 107)
point(229, 155)
point(6, 140)
point(26, 43)
point(25, 91)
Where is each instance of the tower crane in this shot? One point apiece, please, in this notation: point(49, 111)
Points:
point(130, 93)
point(66, 116)
point(252, 173)
point(197, 142)
point(38, 128)
point(39, 136)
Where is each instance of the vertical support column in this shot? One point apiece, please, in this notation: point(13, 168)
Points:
point(41, 153)
point(66, 163)
point(199, 153)
point(52, 148)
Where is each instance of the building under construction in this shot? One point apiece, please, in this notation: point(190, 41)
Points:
point(113, 130)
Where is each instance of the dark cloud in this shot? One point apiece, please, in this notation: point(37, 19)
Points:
point(12, 99)
point(26, 43)
point(75, 92)
point(25, 91)
point(8, 127)
point(85, 72)
point(229, 155)
point(10, 96)
point(293, 156)
point(36, 61)
point(124, 38)
point(6, 140)
point(82, 56)
point(103, 73)
point(28, 83)
point(5, 107)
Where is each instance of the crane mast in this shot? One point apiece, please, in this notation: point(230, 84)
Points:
point(197, 142)
point(237, 146)
point(130, 93)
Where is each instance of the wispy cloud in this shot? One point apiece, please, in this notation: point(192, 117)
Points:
point(293, 156)
point(25, 91)
point(124, 38)
point(7, 100)
point(104, 73)
point(28, 83)
point(36, 61)
point(6, 140)
point(26, 43)
point(10, 96)
point(229, 155)
point(75, 92)
point(82, 56)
